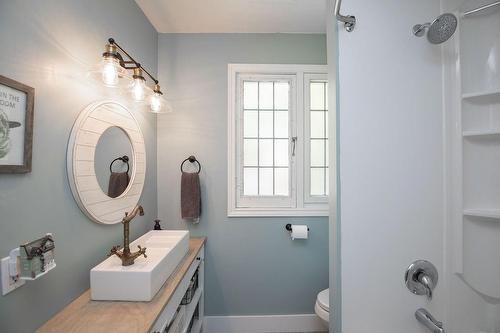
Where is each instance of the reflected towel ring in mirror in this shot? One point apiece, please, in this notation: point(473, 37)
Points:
point(124, 159)
point(191, 159)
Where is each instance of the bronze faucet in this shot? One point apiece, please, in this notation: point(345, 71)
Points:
point(125, 255)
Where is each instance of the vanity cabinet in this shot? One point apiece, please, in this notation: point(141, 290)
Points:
point(177, 316)
point(165, 313)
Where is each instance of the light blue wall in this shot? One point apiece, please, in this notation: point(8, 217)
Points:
point(252, 266)
point(49, 45)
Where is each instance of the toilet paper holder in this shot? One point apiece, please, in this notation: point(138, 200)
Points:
point(289, 227)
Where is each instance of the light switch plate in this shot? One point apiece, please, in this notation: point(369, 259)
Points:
point(8, 283)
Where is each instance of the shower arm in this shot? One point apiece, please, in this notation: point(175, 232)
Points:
point(418, 30)
point(348, 20)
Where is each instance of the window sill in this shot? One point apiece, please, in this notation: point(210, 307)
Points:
point(289, 212)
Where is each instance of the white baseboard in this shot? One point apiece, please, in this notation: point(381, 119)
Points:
point(260, 324)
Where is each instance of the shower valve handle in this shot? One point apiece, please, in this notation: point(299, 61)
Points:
point(421, 278)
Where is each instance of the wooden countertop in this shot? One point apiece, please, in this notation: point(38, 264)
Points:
point(85, 315)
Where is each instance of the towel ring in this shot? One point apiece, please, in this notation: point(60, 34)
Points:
point(124, 159)
point(191, 159)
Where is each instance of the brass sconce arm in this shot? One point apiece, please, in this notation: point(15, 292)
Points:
point(124, 63)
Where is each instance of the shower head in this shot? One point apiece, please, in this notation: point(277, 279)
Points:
point(440, 30)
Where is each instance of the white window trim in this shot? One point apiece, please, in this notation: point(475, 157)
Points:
point(303, 209)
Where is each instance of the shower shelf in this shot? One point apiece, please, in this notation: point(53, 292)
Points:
point(481, 94)
point(488, 213)
point(481, 132)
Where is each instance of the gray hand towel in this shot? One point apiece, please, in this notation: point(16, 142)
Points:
point(190, 196)
point(118, 182)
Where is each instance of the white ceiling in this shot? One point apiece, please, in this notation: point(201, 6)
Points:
point(237, 16)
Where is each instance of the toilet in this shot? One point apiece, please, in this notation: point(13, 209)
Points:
point(322, 306)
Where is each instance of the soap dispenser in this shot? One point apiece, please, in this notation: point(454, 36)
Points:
point(157, 225)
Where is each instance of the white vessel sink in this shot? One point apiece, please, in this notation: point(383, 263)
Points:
point(110, 281)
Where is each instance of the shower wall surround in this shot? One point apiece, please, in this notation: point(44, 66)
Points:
point(391, 162)
point(49, 46)
point(253, 266)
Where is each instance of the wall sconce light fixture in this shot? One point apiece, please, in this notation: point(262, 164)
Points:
point(114, 72)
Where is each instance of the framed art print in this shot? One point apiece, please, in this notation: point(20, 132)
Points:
point(16, 126)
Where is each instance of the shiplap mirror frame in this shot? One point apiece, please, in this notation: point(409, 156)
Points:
point(91, 123)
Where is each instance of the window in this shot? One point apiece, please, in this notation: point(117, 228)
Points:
point(316, 120)
point(265, 137)
point(278, 140)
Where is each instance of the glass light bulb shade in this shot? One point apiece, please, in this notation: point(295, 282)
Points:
point(158, 104)
point(139, 90)
point(109, 72)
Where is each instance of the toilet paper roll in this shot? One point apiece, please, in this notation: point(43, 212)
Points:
point(299, 231)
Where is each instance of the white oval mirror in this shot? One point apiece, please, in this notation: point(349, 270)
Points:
point(103, 132)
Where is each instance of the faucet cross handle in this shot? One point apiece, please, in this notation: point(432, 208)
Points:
point(142, 251)
point(114, 250)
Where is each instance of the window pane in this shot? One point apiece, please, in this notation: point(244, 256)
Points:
point(265, 124)
point(250, 95)
point(265, 152)
point(250, 152)
point(266, 181)
point(266, 142)
point(281, 124)
point(250, 181)
point(317, 153)
point(327, 184)
point(281, 95)
point(281, 152)
point(317, 96)
point(266, 95)
point(250, 124)
point(326, 95)
point(317, 181)
point(327, 161)
point(326, 127)
point(317, 124)
point(318, 138)
point(281, 181)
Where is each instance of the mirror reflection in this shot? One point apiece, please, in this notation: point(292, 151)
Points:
point(113, 161)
